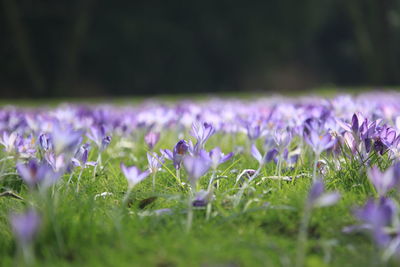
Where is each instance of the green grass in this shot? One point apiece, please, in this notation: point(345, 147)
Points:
point(262, 231)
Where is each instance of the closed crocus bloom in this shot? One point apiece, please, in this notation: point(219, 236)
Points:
point(217, 157)
point(65, 139)
point(97, 134)
point(154, 161)
point(387, 135)
point(58, 163)
point(8, 140)
point(37, 173)
point(382, 181)
point(81, 157)
point(196, 166)
point(26, 146)
point(45, 142)
point(151, 139)
point(376, 216)
point(253, 130)
point(133, 175)
point(319, 142)
point(105, 142)
point(282, 138)
point(25, 226)
point(202, 132)
point(181, 148)
point(317, 196)
point(367, 130)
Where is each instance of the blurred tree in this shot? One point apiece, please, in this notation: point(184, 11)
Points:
point(377, 37)
point(92, 47)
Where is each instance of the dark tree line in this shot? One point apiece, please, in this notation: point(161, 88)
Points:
point(99, 47)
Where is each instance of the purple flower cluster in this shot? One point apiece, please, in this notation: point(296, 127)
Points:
point(45, 145)
point(380, 217)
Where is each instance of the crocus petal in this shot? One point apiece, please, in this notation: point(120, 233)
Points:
point(256, 153)
point(25, 225)
point(316, 191)
point(271, 154)
point(167, 154)
point(382, 182)
point(327, 199)
point(196, 167)
point(226, 157)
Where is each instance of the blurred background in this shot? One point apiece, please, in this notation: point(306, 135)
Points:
point(73, 48)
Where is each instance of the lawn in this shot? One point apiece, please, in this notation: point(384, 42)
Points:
point(188, 204)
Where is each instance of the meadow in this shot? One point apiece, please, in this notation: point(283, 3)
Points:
point(266, 181)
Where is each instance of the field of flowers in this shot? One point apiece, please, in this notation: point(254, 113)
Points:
point(272, 181)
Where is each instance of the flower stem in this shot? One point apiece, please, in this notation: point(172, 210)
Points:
point(208, 211)
point(303, 236)
point(70, 177)
point(211, 180)
point(280, 170)
point(154, 180)
point(51, 206)
point(126, 196)
point(27, 254)
point(79, 179)
point(178, 176)
point(244, 186)
point(314, 177)
point(189, 218)
point(98, 162)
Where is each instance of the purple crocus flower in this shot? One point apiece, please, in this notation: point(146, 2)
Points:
point(154, 161)
point(196, 166)
point(133, 175)
point(395, 147)
point(382, 181)
point(353, 127)
point(26, 146)
point(202, 132)
point(37, 173)
point(358, 132)
point(25, 226)
point(350, 142)
point(81, 157)
point(57, 162)
point(180, 150)
point(291, 157)
point(367, 132)
point(318, 142)
point(151, 139)
point(98, 135)
point(270, 155)
point(312, 125)
point(45, 142)
point(202, 198)
point(217, 157)
point(105, 142)
point(317, 196)
point(65, 139)
point(384, 139)
point(256, 154)
point(9, 141)
point(253, 130)
point(376, 215)
point(282, 139)
point(387, 136)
